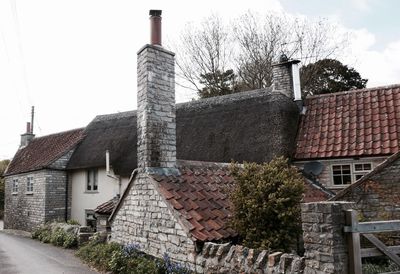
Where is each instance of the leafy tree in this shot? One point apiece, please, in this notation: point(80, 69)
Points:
point(3, 166)
point(218, 83)
point(329, 76)
point(266, 202)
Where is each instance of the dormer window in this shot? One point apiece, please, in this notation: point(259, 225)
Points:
point(91, 180)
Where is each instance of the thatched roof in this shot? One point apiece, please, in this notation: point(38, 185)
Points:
point(248, 126)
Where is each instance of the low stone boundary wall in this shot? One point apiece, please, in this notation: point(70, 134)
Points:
point(228, 258)
point(324, 245)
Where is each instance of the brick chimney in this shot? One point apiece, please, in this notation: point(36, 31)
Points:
point(286, 78)
point(27, 136)
point(156, 104)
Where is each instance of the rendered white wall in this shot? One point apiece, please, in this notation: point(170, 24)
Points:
point(83, 200)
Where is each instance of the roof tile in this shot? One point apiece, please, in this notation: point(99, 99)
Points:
point(43, 151)
point(362, 122)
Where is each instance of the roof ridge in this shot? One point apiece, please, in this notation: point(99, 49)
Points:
point(59, 133)
point(110, 116)
point(353, 91)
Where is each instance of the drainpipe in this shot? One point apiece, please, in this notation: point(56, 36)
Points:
point(66, 198)
point(108, 173)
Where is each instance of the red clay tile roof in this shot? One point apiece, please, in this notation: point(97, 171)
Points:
point(199, 194)
point(355, 123)
point(43, 151)
point(107, 207)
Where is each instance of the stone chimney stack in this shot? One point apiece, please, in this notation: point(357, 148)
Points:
point(27, 136)
point(285, 78)
point(156, 104)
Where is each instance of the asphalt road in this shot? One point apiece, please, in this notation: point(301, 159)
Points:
point(21, 255)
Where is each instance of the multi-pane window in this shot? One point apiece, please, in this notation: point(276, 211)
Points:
point(91, 180)
point(361, 169)
point(15, 186)
point(341, 174)
point(349, 173)
point(29, 184)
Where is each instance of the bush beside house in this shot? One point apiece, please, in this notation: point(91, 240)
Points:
point(58, 234)
point(126, 259)
point(266, 204)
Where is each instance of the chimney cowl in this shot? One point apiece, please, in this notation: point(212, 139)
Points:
point(155, 12)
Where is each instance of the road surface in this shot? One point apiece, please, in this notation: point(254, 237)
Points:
point(21, 255)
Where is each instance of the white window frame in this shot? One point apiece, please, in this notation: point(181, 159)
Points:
point(353, 172)
point(92, 180)
point(29, 184)
point(15, 186)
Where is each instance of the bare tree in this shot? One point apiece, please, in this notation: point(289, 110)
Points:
point(214, 59)
point(204, 53)
point(261, 40)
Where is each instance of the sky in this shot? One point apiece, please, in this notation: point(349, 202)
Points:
point(76, 59)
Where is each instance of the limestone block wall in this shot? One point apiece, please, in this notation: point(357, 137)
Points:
point(25, 210)
point(145, 218)
point(324, 241)
point(56, 195)
point(378, 197)
point(227, 258)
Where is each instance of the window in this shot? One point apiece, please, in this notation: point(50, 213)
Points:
point(341, 174)
point(90, 218)
point(361, 169)
point(91, 182)
point(349, 173)
point(29, 184)
point(15, 186)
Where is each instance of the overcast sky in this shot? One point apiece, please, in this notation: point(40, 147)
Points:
point(76, 59)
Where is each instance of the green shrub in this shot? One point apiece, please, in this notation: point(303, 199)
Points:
point(266, 204)
point(98, 254)
point(70, 240)
point(73, 222)
point(126, 260)
point(57, 236)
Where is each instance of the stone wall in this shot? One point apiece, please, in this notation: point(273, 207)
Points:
point(227, 258)
point(377, 198)
point(144, 218)
point(324, 240)
point(55, 203)
point(24, 210)
point(27, 210)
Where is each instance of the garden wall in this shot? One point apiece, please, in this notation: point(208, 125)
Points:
point(324, 243)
